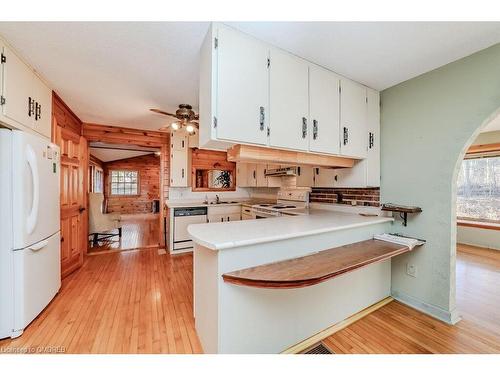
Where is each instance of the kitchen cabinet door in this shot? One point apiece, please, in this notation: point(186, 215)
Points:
point(242, 88)
point(354, 177)
point(324, 106)
point(241, 175)
point(43, 108)
point(261, 180)
point(233, 217)
point(353, 127)
point(289, 101)
point(273, 181)
point(179, 160)
point(373, 123)
point(305, 176)
point(324, 177)
point(18, 78)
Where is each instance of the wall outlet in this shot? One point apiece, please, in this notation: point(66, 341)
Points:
point(411, 270)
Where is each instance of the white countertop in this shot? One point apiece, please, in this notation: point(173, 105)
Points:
point(220, 236)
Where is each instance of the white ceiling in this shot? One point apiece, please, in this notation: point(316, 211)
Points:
point(111, 73)
point(107, 154)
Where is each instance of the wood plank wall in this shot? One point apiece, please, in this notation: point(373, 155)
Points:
point(121, 135)
point(148, 167)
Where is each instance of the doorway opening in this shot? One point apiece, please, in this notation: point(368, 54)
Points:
point(124, 197)
point(478, 227)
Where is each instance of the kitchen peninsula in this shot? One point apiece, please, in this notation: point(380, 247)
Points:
point(241, 319)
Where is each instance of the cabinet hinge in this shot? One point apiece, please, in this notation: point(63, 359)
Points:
point(215, 122)
point(216, 43)
point(268, 62)
point(268, 132)
point(3, 58)
point(2, 100)
point(366, 99)
point(340, 89)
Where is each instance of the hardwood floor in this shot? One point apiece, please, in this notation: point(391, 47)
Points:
point(396, 328)
point(125, 302)
point(138, 231)
point(141, 302)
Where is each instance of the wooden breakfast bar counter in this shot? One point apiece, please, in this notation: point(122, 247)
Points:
point(315, 268)
point(262, 286)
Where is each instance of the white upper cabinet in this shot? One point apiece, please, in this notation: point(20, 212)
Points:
point(254, 93)
point(18, 92)
point(289, 101)
point(373, 123)
point(26, 101)
point(242, 88)
point(324, 105)
point(43, 108)
point(353, 129)
point(180, 173)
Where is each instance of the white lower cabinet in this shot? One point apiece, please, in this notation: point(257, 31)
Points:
point(221, 214)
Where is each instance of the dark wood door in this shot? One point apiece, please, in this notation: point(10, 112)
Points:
point(74, 217)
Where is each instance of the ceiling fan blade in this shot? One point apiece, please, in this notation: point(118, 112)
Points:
point(162, 112)
point(196, 117)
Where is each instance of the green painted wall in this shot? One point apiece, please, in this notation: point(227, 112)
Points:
point(426, 125)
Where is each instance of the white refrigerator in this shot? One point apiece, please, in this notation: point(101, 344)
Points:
point(30, 274)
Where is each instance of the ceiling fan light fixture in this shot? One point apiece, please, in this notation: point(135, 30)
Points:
point(190, 128)
point(175, 126)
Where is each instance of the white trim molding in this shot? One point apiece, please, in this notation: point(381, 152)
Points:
point(449, 317)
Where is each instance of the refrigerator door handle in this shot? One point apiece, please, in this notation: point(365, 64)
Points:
point(33, 215)
point(39, 245)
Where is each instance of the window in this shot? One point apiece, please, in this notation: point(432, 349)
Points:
point(98, 182)
point(478, 195)
point(124, 182)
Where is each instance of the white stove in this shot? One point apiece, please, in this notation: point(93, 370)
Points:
point(290, 202)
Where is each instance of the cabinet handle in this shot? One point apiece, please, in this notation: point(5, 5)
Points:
point(315, 129)
point(254, 174)
point(221, 219)
point(37, 111)
point(228, 218)
point(370, 140)
point(182, 172)
point(262, 118)
point(31, 104)
point(304, 127)
point(346, 135)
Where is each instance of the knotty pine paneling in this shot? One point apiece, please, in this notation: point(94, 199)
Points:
point(148, 167)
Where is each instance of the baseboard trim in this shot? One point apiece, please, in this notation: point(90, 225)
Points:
point(307, 343)
point(449, 317)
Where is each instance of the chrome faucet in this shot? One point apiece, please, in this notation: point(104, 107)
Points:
point(217, 199)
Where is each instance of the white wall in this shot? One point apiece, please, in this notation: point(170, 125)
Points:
point(488, 238)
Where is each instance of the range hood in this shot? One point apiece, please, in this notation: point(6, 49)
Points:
point(281, 172)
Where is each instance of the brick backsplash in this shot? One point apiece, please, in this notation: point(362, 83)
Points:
point(362, 196)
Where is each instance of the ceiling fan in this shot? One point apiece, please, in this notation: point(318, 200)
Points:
point(186, 118)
